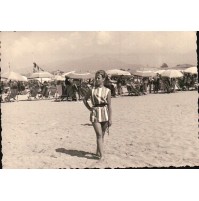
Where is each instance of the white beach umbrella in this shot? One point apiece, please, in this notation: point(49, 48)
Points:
point(25, 78)
point(13, 76)
point(42, 74)
point(80, 76)
point(41, 79)
point(58, 77)
point(144, 73)
point(3, 79)
point(191, 70)
point(172, 74)
point(117, 72)
point(159, 71)
point(65, 74)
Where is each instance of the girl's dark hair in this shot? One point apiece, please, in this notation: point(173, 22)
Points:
point(102, 73)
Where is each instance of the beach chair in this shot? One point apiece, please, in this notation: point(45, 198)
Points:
point(44, 92)
point(33, 92)
point(72, 92)
point(133, 90)
point(51, 92)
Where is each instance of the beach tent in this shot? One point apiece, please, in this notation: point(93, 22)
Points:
point(13, 76)
point(191, 70)
point(172, 74)
point(117, 72)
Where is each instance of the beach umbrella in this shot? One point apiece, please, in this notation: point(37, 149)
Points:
point(58, 77)
point(65, 74)
point(191, 70)
point(144, 73)
point(41, 74)
point(117, 72)
point(172, 74)
point(159, 71)
point(41, 79)
point(3, 79)
point(80, 76)
point(13, 76)
point(25, 78)
point(123, 76)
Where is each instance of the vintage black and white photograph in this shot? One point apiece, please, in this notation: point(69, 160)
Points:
point(99, 99)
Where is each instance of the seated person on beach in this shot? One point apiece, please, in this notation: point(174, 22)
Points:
point(131, 87)
point(13, 89)
point(34, 88)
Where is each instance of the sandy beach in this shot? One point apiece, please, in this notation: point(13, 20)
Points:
point(156, 130)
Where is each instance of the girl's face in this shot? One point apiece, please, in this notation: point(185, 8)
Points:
point(99, 80)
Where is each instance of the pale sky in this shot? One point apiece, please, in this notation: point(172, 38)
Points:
point(52, 49)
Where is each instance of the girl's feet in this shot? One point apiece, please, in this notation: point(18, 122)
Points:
point(98, 152)
point(99, 156)
point(102, 158)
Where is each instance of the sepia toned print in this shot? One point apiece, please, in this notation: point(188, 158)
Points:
point(47, 77)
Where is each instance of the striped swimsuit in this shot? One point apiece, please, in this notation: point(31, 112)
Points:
point(99, 111)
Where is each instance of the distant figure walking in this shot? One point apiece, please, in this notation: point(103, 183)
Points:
point(101, 112)
point(119, 85)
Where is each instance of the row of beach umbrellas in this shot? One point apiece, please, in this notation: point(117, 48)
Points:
point(191, 70)
point(13, 76)
point(43, 75)
point(171, 73)
point(163, 73)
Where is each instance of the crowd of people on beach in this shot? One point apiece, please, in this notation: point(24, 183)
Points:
point(75, 89)
point(159, 84)
point(136, 85)
point(70, 89)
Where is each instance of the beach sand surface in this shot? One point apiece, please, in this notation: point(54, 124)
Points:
point(154, 130)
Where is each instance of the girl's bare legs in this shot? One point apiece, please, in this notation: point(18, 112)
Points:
point(99, 135)
point(104, 127)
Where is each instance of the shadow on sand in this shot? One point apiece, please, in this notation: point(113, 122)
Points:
point(81, 154)
point(87, 124)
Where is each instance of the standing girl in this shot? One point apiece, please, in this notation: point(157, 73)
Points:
point(101, 113)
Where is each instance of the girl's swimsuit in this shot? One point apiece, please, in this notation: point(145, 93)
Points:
point(99, 101)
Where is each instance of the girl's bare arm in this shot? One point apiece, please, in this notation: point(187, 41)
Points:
point(85, 100)
point(109, 108)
